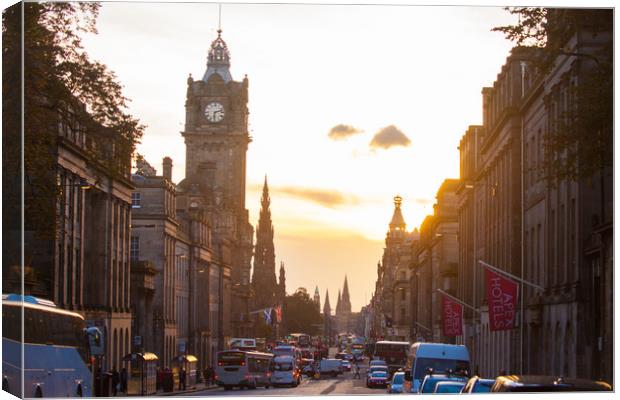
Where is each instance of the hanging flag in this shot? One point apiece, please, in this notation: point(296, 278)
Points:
point(267, 315)
point(452, 317)
point(502, 296)
point(279, 313)
point(274, 316)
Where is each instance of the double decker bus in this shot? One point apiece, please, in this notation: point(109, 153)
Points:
point(301, 339)
point(58, 349)
point(247, 369)
point(393, 353)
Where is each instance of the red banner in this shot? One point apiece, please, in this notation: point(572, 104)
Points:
point(452, 317)
point(502, 296)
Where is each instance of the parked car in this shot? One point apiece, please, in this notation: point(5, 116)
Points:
point(377, 362)
point(431, 380)
point(396, 384)
point(377, 378)
point(546, 383)
point(477, 384)
point(449, 387)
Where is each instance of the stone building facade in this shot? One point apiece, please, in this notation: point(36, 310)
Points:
point(553, 233)
point(82, 262)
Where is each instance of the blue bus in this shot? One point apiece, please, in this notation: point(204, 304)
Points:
point(58, 349)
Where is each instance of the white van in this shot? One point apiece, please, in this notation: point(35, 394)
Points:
point(285, 371)
point(440, 357)
point(330, 366)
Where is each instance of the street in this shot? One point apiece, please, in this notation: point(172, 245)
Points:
point(343, 385)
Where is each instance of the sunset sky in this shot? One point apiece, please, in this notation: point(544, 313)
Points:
point(349, 106)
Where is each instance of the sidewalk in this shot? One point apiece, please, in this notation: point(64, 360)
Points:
point(199, 387)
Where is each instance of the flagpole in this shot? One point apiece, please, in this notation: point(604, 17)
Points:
point(511, 276)
point(457, 300)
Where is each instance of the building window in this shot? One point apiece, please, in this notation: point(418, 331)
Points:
point(135, 199)
point(135, 248)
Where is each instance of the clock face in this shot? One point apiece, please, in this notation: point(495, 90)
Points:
point(214, 112)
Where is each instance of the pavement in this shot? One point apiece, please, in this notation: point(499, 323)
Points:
point(200, 387)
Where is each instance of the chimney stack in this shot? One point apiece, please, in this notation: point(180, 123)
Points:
point(167, 163)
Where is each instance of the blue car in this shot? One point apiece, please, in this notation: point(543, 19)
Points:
point(396, 384)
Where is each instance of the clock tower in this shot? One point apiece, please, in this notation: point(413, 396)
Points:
point(216, 141)
point(216, 128)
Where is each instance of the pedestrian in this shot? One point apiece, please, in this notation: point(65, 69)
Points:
point(357, 371)
point(124, 380)
point(211, 375)
point(115, 380)
point(183, 375)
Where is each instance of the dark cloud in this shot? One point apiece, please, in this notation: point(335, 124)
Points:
point(327, 198)
point(390, 136)
point(342, 131)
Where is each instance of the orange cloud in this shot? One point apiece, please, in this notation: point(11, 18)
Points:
point(390, 136)
point(342, 131)
point(325, 197)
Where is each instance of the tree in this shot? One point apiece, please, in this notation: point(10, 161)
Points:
point(300, 313)
point(61, 87)
point(579, 143)
point(56, 88)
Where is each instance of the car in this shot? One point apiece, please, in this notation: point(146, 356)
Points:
point(431, 380)
point(396, 384)
point(377, 362)
point(346, 365)
point(284, 371)
point(377, 378)
point(449, 387)
point(375, 368)
point(546, 383)
point(476, 384)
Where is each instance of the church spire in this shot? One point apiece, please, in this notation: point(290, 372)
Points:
point(398, 222)
point(264, 273)
point(327, 310)
point(346, 301)
point(338, 303)
point(218, 60)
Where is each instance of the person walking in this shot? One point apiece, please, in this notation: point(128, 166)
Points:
point(182, 381)
point(211, 375)
point(115, 381)
point(357, 371)
point(124, 380)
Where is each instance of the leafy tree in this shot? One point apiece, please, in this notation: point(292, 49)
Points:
point(57, 85)
point(580, 143)
point(300, 313)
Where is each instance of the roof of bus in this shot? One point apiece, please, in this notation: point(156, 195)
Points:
point(392, 342)
point(253, 353)
point(432, 350)
point(43, 307)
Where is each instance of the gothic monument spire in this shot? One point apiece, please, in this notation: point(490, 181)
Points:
point(264, 273)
